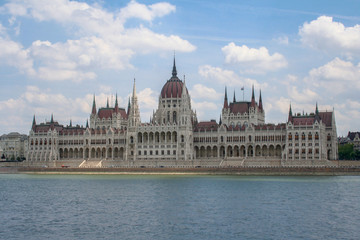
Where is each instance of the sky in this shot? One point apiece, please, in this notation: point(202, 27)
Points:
point(55, 55)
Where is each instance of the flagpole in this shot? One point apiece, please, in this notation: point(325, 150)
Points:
point(242, 89)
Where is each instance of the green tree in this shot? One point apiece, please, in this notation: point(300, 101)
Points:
point(345, 151)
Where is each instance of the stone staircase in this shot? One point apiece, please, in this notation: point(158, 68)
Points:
point(91, 164)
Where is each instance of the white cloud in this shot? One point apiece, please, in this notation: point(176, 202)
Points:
point(201, 91)
point(104, 42)
point(228, 77)
point(306, 95)
point(148, 99)
point(13, 54)
point(43, 103)
point(148, 13)
point(253, 60)
point(336, 76)
point(325, 34)
point(282, 40)
point(203, 108)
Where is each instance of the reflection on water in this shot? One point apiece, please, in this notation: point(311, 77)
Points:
point(178, 207)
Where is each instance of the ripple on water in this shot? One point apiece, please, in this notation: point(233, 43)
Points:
point(178, 207)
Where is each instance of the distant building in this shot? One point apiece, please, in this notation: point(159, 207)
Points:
point(352, 138)
point(13, 146)
point(175, 137)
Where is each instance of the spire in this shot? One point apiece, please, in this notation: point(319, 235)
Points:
point(134, 115)
point(128, 109)
point(70, 123)
point(234, 100)
point(174, 72)
point(107, 102)
point(260, 102)
point(87, 123)
point(52, 118)
point(226, 100)
point(34, 123)
point(134, 89)
point(317, 116)
point(93, 107)
point(253, 104)
point(116, 104)
point(220, 122)
point(290, 114)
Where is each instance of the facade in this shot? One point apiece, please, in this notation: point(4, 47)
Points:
point(174, 137)
point(13, 146)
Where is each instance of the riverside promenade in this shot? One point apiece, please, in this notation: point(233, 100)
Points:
point(243, 171)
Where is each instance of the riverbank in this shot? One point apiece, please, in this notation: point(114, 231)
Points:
point(245, 171)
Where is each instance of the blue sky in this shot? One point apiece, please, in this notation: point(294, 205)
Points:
point(56, 54)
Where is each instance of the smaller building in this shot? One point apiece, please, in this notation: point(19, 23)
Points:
point(352, 138)
point(13, 146)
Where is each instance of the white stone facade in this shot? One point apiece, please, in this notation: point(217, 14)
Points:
point(175, 136)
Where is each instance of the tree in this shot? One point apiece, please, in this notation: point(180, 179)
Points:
point(347, 152)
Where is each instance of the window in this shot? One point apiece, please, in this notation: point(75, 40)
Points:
point(290, 137)
point(182, 138)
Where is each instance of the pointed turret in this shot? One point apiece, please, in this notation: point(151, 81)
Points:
point(116, 104)
point(52, 118)
point(226, 105)
point(134, 115)
point(253, 103)
point(87, 123)
point(128, 109)
point(317, 116)
point(70, 124)
point(33, 123)
point(290, 114)
point(220, 122)
point(260, 102)
point(93, 106)
point(107, 103)
point(174, 72)
point(234, 100)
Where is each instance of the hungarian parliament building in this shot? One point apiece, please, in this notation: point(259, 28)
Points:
point(116, 137)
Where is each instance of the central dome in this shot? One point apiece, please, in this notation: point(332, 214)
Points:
point(173, 87)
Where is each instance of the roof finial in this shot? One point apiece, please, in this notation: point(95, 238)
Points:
point(234, 100)
point(52, 118)
point(107, 102)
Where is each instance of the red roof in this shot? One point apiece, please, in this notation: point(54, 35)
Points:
point(45, 127)
point(303, 120)
point(326, 118)
point(172, 88)
point(239, 107)
point(108, 112)
point(72, 131)
point(206, 126)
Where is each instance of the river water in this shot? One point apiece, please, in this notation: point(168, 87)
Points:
point(178, 207)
